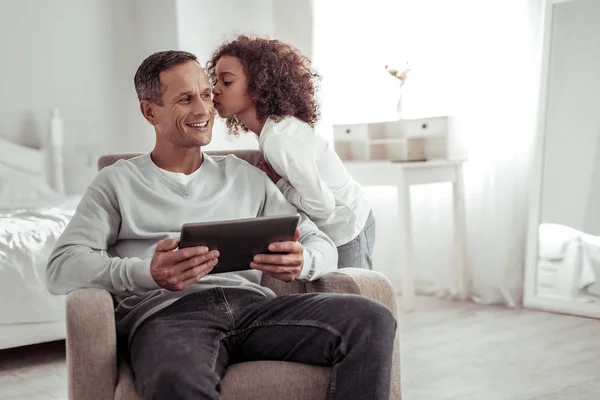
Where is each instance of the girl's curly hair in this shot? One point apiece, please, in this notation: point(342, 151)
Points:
point(281, 82)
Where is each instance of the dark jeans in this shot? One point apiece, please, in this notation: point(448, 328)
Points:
point(182, 351)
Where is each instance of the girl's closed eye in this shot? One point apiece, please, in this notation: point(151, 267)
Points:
point(227, 83)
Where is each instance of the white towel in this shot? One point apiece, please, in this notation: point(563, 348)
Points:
point(553, 240)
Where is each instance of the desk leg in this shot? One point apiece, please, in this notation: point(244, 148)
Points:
point(460, 233)
point(406, 258)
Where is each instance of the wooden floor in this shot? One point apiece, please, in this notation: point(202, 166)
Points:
point(471, 352)
point(450, 351)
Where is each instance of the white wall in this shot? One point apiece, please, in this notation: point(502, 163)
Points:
point(571, 192)
point(59, 54)
point(140, 28)
point(294, 24)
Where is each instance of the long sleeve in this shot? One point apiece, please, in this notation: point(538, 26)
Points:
point(294, 159)
point(320, 253)
point(80, 259)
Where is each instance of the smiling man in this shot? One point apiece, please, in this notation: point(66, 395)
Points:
point(184, 326)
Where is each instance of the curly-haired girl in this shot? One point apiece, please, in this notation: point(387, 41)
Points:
point(268, 87)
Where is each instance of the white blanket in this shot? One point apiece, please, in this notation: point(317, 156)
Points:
point(27, 237)
point(555, 240)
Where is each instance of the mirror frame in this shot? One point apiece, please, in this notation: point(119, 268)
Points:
point(530, 297)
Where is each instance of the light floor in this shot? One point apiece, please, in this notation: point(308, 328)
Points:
point(457, 351)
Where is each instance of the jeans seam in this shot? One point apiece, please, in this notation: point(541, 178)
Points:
point(332, 382)
point(228, 308)
point(316, 324)
point(213, 360)
point(361, 249)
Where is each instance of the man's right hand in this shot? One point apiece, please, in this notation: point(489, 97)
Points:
point(177, 269)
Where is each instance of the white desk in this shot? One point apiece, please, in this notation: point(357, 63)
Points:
point(403, 176)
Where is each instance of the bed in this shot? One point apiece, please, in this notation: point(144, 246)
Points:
point(33, 213)
point(568, 263)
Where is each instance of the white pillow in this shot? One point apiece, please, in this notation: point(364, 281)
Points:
point(19, 189)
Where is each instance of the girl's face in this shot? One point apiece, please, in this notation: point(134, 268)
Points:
point(230, 96)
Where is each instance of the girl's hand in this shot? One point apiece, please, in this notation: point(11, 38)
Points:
point(262, 164)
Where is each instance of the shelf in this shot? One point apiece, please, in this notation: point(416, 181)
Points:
point(400, 140)
point(351, 140)
point(386, 141)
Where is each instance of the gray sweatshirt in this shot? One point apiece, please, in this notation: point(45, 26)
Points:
point(132, 205)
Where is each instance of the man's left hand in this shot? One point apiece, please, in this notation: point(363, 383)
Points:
point(285, 267)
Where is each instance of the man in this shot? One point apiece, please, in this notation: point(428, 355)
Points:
point(184, 326)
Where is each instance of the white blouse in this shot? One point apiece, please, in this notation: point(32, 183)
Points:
point(314, 179)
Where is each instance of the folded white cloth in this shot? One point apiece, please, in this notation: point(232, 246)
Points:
point(553, 240)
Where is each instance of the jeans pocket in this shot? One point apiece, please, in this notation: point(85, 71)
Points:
point(349, 254)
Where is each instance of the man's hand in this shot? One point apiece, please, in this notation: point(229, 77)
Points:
point(266, 167)
point(177, 269)
point(285, 267)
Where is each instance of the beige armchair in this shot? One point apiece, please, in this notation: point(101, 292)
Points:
point(96, 370)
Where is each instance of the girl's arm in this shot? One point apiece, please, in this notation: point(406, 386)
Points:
point(294, 159)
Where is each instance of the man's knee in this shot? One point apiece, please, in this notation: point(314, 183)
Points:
point(373, 318)
point(379, 316)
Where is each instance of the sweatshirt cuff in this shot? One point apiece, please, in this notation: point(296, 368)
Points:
point(308, 268)
point(142, 278)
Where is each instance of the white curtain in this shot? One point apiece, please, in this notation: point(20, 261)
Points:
point(475, 59)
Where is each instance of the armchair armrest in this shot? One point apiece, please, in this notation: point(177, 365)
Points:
point(370, 284)
point(91, 345)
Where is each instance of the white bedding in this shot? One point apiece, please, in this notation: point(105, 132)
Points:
point(569, 261)
point(27, 235)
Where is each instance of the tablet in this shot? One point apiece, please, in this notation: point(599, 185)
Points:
point(238, 241)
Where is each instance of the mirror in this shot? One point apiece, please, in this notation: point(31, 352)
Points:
point(563, 266)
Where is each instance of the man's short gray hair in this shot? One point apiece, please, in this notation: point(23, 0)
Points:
point(147, 78)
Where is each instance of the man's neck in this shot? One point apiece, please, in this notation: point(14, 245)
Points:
point(183, 160)
point(251, 121)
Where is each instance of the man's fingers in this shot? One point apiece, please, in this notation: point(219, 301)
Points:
point(286, 274)
point(276, 268)
point(278, 259)
point(203, 271)
point(167, 245)
point(188, 252)
point(198, 271)
point(286, 247)
point(196, 261)
point(297, 235)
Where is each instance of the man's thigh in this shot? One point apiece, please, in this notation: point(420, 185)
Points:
point(185, 343)
point(312, 328)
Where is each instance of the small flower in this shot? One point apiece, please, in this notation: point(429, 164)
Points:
point(398, 75)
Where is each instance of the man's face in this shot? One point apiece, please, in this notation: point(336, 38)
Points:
point(230, 97)
point(186, 116)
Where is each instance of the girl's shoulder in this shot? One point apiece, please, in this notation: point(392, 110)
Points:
point(289, 126)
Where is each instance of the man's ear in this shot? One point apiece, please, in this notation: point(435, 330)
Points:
point(147, 109)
